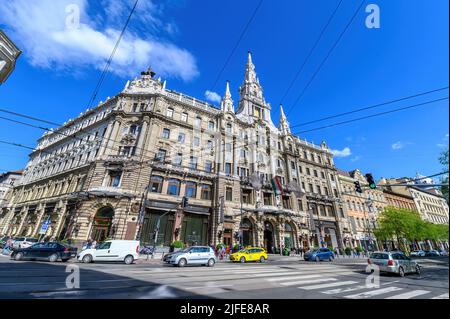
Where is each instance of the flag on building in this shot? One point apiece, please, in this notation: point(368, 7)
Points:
point(276, 185)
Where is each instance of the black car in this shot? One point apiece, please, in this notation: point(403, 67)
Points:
point(45, 251)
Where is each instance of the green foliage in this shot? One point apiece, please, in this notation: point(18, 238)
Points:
point(236, 247)
point(219, 246)
point(359, 249)
point(396, 223)
point(348, 251)
point(177, 244)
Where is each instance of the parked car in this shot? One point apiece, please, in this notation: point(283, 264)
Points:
point(319, 255)
point(443, 252)
point(394, 262)
point(250, 254)
point(432, 253)
point(51, 251)
point(195, 255)
point(23, 242)
point(417, 253)
point(112, 250)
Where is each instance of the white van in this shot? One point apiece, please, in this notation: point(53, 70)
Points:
point(112, 250)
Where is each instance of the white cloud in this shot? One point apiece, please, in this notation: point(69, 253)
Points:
point(212, 96)
point(398, 146)
point(444, 143)
point(39, 28)
point(343, 153)
point(356, 158)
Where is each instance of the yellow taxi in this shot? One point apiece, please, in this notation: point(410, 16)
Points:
point(249, 254)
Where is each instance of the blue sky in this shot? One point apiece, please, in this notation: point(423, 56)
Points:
point(187, 42)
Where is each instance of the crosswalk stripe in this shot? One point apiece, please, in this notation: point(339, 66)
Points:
point(293, 277)
point(343, 290)
point(328, 285)
point(272, 273)
point(373, 293)
point(307, 281)
point(409, 294)
point(443, 296)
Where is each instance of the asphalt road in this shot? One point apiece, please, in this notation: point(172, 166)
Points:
point(286, 278)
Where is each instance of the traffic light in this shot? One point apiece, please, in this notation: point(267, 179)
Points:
point(185, 202)
point(358, 187)
point(371, 181)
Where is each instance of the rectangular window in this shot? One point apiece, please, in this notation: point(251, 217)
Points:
point(229, 194)
point(287, 202)
point(208, 166)
point(184, 117)
point(300, 204)
point(211, 125)
point(267, 199)
point(228, 168)
point(196, 141)
point(169, 112)
point(191, 190)
point(198, 122)
point(193, 162)
point(166, 133)
point(156, 184)
point(161, 155)
point(322, 174)
point(181, 137)
point(308, 171)
point(178, 159)
point(114, 178)
point(206, 192)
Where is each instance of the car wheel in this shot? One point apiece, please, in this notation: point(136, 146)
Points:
point(87, 259)
point(182, 262)
point(18, 256)
point(330, 258)
point(262, 260)
point(317, 259)
point(64, 260)
point(53, 258)
point(242, 260)
point(401, 272)
point(418, 270)
point(128, 260)
point(211, 263)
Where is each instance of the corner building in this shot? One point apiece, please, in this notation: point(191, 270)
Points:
point(149, 146)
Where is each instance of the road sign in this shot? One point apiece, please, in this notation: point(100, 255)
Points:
point(44, 226)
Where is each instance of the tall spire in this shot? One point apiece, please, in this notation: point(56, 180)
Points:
point(250, 74)
point(283, 125)
point(227, 102)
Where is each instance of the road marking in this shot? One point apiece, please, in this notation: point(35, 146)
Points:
point(443, 296)
point(409, 294)
point(293, 277)
point(343, 290)
point(373, 293)
point(331, 284)
point(207, 286)
point(308, 281)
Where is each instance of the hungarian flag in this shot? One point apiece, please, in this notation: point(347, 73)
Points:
point(276, 185)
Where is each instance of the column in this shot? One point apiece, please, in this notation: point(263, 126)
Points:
point(38, 222)
point(112, 138)
point(142, 137)
point(24, 217)
point(62, 215)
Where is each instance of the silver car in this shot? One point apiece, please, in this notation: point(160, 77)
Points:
point(196, 255)
point(394, 262)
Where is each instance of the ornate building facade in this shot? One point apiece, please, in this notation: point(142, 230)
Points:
point(361, 208)
point(121, 168)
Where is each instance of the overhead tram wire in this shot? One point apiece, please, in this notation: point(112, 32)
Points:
point(241, 36)
point(326, 57)
point(372, 115)
point(310, 52)
point(109, 61)
point(369, 107)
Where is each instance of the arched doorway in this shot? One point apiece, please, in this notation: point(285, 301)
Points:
point(268, 237)
point(288, 236)
point(247, 232)
point(102, 224)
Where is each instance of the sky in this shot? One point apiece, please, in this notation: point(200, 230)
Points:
point(187, 43)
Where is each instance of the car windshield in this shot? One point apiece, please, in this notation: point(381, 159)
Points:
point(20, 239)
point(379, 256)
point(32, 240)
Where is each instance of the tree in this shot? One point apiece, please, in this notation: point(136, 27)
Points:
point(443, 159)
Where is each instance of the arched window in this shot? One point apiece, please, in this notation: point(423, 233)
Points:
point(287, 227)
point(173, 187)
point(191, 189)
